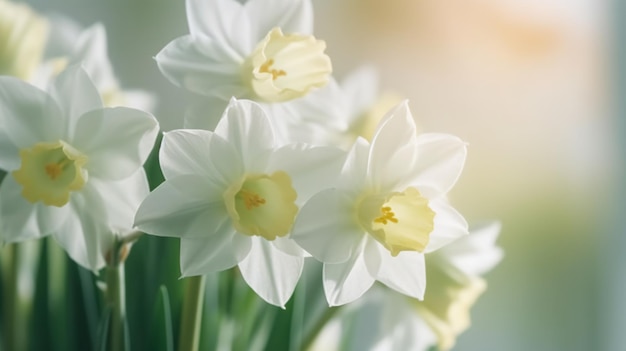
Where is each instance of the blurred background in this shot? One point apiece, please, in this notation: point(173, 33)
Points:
point(532, 86)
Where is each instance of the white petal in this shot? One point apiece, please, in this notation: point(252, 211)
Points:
point(347, 281)
point(84, 235)
point(311, 168)
point(186, 206)
point(476, 253)
point(449, 225)
point(245, 125)
point(214, 253)
point(353, 174)
point(393, 150)
point(224, 21)
point(117, 140)
point(27, 116)
point(405, 273)
point(91, 52)
point(326, 228)
point(289, 247)
point(199, 152)
point(201, 65)
point(21, 219)
point(75, 94)
point(291, 16)
point(120, 198)
point(271, 273)
point(439, 163)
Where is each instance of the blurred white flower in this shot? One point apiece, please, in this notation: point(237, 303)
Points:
point(262, 50)
point(23, 36)
point(338, 113)
point(74, 168)
point(232, 196)
point(387, 210)
point(384, 320)
point(89, 49)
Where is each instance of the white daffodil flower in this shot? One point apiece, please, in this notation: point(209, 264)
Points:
point(387, 210)
point(232, 196)
point(74, 168)
point(338, 113)
point(403, 323)
point(261, 50)
point(22, 39)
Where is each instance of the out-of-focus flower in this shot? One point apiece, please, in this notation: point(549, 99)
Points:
point(387, 210)
point(74, 167)
point(258, 50)
point(89, 49)
point(232, 197)
point(338, 113)
point(402, 323)
point(22, 39)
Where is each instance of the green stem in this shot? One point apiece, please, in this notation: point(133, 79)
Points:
point(10, 260)
point(189, 335)
point(116, 299)
point(319, 325)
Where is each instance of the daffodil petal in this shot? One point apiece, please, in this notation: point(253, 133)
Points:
point(405, 273)
point(449, 225)
point(310, 168)
point(118, 140)
point(91, 52)
point(204, 114)
point(121, 198)
point(28, 116)
point(353, 174)
point(216, 252)
point(199, 152)
point(393, 151)
point(476, 253)
point(75, 94)
point(224, 21)
point(291, 16)
point(246, 126)
point(186, 206)
point(347, 281)
point(325, 227)
point(202, 66)
point(439, 163)
point(270, 272)
point(23, 220)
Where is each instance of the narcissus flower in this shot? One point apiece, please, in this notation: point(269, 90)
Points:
point(257, 50)
point(74, 167)
point(384, 320)
point(232, 196)
point(386, 211)
point(22, 39)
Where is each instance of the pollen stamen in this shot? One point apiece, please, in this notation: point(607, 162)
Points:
point(387, 216)
point(251, 200)
point(53, 170)
point(266, 68)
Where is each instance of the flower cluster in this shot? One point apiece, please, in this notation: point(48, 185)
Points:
point(287, 163)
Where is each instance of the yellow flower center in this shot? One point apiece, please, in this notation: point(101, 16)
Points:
point(401, 222)
point(285, 67)
point(50, 171)
point(262, 205)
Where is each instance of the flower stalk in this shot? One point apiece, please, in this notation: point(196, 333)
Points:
point(116, 297)
point(189, 335)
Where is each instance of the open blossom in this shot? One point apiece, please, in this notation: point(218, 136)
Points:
point(384, 320)
point(257, 50)
point(387, 210)
point(232, 196)
point(22, 39)
point(74, 167)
